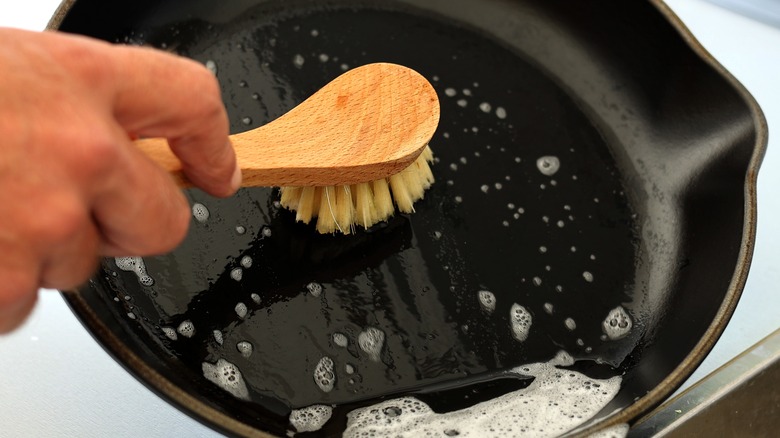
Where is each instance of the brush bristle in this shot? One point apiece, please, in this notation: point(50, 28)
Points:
point(341, 208)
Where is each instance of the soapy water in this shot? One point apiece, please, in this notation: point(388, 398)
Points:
point(186, 329)
point(324, 374)
point(315, 289)
point(137, 266)
point(548, 165)
point(371, 341)
point(520, 321)
point(340, 340)
point(487, 300)
point(200, 212)
point(245, 348)
point(617, 324)
point(170, 333)
point(311, 418)
point(556, 402)
point(227, 376)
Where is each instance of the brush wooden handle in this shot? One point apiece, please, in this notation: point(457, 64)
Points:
point(367, 124)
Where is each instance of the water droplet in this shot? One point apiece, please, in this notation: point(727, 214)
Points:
point(371, 341)
point(298, 60)
point(245, 348)
point(241, 310)
point(520, 320)
point(186, 329)
point(548, 165)
point(487, 300)
point(200, 212)
point(617, 324)
point(218, 336)
point(450, 92)
point(587, 276)
point(570, 324)
point(485, 107)
point(501, 113)
point(314, 288)
point(211, 66)
point(324, 374)
point(340, 339)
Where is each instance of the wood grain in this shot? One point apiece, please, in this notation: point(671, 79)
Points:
point(367, 124)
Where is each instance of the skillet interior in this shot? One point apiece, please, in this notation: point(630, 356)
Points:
point(661, 139)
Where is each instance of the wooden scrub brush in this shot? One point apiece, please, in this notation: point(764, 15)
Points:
point(348, 155)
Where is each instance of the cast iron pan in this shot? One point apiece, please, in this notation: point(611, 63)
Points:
point(652, 208)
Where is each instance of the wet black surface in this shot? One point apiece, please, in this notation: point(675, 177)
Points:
point(493, 221)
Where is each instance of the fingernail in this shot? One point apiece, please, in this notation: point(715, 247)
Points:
point(235, 183)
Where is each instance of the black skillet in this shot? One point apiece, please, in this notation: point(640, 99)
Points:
point(652, 208)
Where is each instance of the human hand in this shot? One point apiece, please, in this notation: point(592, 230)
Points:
point(72, 185)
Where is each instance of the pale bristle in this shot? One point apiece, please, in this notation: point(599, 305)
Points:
point(340, 208)
point(383, 201)
point(365, 211)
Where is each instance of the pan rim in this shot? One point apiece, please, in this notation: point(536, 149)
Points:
point(630, 414)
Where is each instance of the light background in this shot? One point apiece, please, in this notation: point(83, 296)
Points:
point(56, 381)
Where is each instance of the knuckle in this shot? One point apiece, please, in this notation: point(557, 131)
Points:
point(64, 220)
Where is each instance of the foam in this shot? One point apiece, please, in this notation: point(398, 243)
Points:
point(227, 376)
point(218, 336)
point(255, 298)
point(556, 401)
point(501, 113)
point(617, 324)
point(587, 276)
point(520, 321)
point(371, 341)
point(311, 418)
point(570, 324)
point(245, 348)
point(200, 212)
point(137, 266)
point(616, 431)
point(487, 300)
point(186, 329)
point(266, 232)
point(548, 165)
point(298, 61)
point(246, 262)
point(314, 288)
point(241, 310)
point(237, 274)
point(170, 333)
point(324, 374)
point(340, 339)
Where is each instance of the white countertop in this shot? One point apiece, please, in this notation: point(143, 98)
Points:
point(56, 381)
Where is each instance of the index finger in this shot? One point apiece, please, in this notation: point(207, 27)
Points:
point(157, 94)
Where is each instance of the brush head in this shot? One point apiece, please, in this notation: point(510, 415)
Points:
point(342, 208)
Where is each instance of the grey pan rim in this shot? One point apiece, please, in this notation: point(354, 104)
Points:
point(224, 423)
